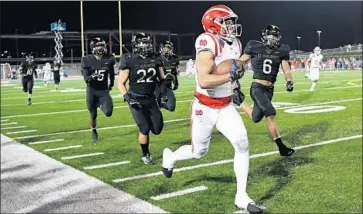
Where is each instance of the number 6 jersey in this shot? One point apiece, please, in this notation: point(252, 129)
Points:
point(266, 62)
point(100, 70)
point(143, 72)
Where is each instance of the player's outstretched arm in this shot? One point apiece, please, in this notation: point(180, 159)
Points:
point(205, 65)
point(286, 69)
point(122, 79)
point(245, 57)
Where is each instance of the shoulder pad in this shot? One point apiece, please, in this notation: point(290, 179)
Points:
point(208, 42)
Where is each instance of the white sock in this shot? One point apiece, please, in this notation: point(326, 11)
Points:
point(313, 84)
point(241, 166)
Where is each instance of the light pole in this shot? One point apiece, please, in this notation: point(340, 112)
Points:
point(298, 42)
point(319, 32)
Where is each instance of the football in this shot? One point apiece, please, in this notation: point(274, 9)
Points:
point(226, 66)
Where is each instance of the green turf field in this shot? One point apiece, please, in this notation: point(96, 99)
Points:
point(318, 178)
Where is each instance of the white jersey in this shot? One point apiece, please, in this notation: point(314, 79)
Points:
point(190, 67)
point(222, 51)
point(315, 60)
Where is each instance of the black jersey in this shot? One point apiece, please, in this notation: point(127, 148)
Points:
point(28, 69)
point(143, 72)
point(266, 62)
point(170, 65)
point(97, 71)
point(56, 69)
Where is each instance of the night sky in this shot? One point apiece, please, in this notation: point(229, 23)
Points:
point(340, 22)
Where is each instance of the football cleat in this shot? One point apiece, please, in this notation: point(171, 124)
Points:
point(252, 208)
point(147, 159)
point(94, 135)
point(167, 166)
point(29, 103)
point(286, 151)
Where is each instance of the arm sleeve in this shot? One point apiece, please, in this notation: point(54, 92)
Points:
point(112, 71)
point(286, 55)
point(248, 49)
point(123, 62)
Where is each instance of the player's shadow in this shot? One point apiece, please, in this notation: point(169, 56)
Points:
point(281, 170)
point(296, 134)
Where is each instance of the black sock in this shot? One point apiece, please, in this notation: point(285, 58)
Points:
point(279, 143)
point(29, 99)
point(94, 129)
point(145, 149)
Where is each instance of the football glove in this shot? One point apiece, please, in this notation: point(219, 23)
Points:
point(175, 87)
point(238, 97)
point(110, 86)
point(164, 99)
point(236, 73)
point(289, 86)
point(132, 102)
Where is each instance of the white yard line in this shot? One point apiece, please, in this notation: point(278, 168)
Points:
point(19, 132)
point(88, 130)
point(5, 124)
point(14, 127)
point(107, 165)
point(46, 141)
point(82, 156)
point(179, 193)
point(125, 106)
point(231, 160)
point(5, 120)
point(168, 121)
point(62, 148)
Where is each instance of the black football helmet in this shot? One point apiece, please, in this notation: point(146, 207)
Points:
point(142, 44)
point(98, 46)
point(271, 36)
point(166, 48)
point(29, 58)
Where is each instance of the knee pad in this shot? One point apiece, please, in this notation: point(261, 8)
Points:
point(93, 113)
point(198, 154)
point(241, 144)
point(256, 117)
point(270, 112)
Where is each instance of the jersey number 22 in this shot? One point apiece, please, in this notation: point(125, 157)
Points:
point(143, 79)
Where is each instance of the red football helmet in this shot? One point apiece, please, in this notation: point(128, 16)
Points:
point(221, 20)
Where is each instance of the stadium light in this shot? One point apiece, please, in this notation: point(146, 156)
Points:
point(298, 42)
point(319, 32)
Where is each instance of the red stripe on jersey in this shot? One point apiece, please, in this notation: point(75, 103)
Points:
point(216, 44)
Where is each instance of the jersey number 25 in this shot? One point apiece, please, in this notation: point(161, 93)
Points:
point(143, 79)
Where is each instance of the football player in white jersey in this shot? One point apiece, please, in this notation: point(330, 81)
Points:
point(189, 67)
point(47, 74)
point(212, 105)
point(315, 60)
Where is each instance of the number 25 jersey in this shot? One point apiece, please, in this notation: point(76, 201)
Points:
point(143, 72)
point(265, 61)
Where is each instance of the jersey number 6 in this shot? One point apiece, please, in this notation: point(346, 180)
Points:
point(143, 72)
point(267, 66)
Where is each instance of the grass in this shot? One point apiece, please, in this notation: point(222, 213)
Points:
point(317, 179)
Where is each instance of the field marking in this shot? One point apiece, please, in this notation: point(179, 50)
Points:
point(13, 123)
point(132, 178)
point(170, 121)
point(87, 130)
point(46, 141)
point(62, 148)
point(125, 106)
point(19, 132)
point(118, 96)
point(107, 165)
point(82, 156)
point(6, 120)
point(179, 193)
point(14, 127)
point(351, 82)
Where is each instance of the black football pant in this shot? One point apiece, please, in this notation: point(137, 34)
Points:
point(28, 84)
point(148, 117)
point(171, 104)
point(99, 98)
point(262, 96)
point(57, 79)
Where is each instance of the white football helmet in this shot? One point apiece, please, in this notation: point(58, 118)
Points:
point(317, 50)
